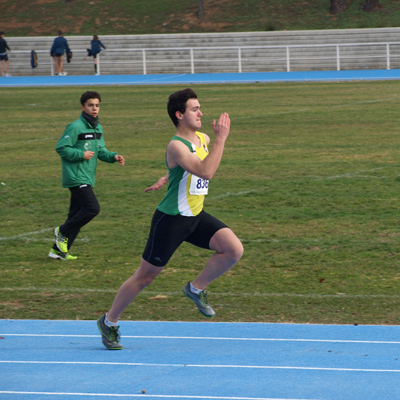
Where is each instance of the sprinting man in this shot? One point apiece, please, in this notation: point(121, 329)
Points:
point(81, 144)
point(180, 216)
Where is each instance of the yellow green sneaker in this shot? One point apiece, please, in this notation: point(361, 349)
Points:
point(61, 241)
point(61, 256)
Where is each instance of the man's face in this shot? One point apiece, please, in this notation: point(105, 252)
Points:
point(192, 116)
point(91, 107)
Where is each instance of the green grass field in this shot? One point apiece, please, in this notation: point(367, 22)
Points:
point(309, 182)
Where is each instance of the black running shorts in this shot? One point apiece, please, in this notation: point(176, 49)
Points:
point(168, 232)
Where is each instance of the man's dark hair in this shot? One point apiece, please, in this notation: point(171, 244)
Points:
point(177, 102)
point(89, 95)
point(60, 33)
point(1, 33)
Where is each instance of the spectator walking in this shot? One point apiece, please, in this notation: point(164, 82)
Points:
point(57, 51)
point(95, 48)
point(3, 55)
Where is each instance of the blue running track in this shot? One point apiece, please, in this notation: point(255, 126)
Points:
point(188, 79)
point(62, 360)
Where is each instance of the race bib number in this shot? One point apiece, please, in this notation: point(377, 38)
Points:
point(198, 186)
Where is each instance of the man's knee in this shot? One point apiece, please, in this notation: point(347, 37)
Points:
point(93, 211)
point(147, 280)
point(226, 242)
point(236, 251)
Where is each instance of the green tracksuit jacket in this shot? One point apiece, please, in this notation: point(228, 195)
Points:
point(78, 137)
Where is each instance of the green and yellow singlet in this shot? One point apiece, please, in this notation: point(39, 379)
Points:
point(185, 194)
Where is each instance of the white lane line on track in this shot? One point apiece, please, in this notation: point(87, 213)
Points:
point(269, 367)
point(205, 338)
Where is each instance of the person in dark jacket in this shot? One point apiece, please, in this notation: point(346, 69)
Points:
point(95, 48)
point(80, 146)
point(57, 51)
point(3, 55)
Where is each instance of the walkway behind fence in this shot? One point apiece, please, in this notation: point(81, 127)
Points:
point(219, 53)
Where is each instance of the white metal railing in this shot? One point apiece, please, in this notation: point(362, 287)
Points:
point(235, 55)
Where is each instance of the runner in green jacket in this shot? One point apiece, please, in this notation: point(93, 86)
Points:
point(80, 146)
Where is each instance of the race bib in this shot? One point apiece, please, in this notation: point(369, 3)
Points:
point(198, 186)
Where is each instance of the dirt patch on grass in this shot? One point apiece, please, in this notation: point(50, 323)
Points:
point(12, 304)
